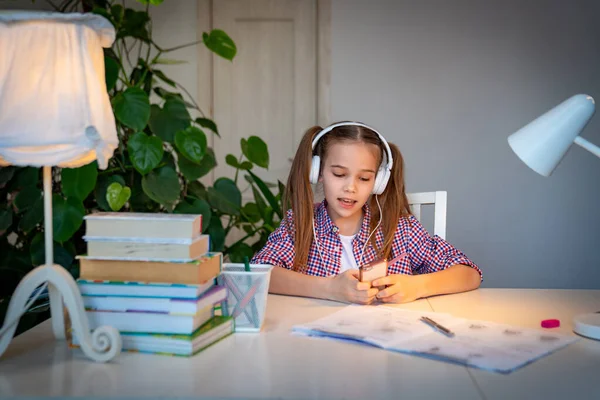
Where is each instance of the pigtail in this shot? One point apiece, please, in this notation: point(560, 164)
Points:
point(394, 201)
point(299, 195)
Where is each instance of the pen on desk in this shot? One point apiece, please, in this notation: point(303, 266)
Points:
point(437, 326)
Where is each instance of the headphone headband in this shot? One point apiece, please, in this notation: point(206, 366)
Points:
point(389, 160)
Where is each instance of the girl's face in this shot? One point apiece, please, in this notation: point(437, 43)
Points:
point(348, 177)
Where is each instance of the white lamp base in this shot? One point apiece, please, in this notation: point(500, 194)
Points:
point(587, 325)
point(103, 345)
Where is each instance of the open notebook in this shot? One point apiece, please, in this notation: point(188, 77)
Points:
point(485, 345)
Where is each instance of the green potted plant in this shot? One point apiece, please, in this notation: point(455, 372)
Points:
point(162, 154)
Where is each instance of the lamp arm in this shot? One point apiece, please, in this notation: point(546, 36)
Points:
point(592, 148)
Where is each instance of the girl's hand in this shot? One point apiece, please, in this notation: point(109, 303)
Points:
point(346, 287)
point(403, 289)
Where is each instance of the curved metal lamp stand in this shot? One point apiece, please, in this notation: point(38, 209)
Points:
point(104, 344)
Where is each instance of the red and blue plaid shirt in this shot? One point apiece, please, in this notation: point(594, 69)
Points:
point(425, 253)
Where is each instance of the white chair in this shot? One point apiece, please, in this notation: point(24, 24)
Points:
point(439, 202)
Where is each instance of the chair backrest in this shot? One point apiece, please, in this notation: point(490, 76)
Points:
point(439, 201)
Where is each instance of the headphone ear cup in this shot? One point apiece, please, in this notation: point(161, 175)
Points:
point(314, 170)
point(381, 180)
point(377, 184)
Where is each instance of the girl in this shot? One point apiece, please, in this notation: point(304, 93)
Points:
point(364, 216)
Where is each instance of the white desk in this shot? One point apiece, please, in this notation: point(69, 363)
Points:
point(276, 364)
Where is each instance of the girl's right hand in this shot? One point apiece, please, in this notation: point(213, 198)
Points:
point(346, 287)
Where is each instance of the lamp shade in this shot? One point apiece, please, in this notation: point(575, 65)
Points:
point(54, 106)
point(542, 143)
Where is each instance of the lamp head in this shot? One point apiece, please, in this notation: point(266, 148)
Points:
point(542, 143)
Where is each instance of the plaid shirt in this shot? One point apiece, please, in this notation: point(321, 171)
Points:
point(425, 253)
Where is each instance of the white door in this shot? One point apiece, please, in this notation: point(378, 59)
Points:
point(270, 89)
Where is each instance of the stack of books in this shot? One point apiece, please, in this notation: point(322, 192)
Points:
point(152, 277)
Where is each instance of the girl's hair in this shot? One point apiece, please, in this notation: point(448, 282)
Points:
point(299, 195)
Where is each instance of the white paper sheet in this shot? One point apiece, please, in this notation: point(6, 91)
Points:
point(480, 344)
point(377, 325)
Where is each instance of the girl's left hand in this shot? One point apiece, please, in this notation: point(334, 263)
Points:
point(402, 289)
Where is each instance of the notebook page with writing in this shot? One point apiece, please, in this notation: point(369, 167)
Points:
point(480, 344)
point(487, 345)
point(380, 326)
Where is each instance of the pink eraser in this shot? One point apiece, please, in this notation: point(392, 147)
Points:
point(550, 323)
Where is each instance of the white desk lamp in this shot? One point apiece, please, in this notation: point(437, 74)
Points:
point(542, 144)
point(55, 111)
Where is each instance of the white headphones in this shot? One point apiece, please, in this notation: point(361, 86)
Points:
point(383, 174)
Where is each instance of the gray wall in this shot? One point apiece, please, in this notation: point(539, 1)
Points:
point(448, 81)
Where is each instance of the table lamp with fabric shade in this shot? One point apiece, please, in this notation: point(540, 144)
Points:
point(55, 111)
point(543, 143)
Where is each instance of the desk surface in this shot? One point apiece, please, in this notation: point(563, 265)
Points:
point(276, 364)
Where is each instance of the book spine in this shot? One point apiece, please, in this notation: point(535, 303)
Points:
point(206, 267)
point(149, 250)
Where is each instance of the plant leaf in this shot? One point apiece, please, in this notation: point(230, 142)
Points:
point(6, 219)
point(79, 182)
point(37, 251)
point(118, 12)
point(208, 123)
point(23, 177)
point(252, 212)
point(145, 152)
point(230, 159)
point(139, 201)
point(216, 233)
point(255, 150)
point(191, 142)
point(281, 195)
point(197, 189)
point(17, 259)
point(33, 216)
point(132, 108)
point(26, 198)
point(247, 165)
point(134, 25)
point(165, 94)
point(67, 217)
point(173, 117)
point(225, 196)
point(193, 171)
point(153, 2)
point(117, 195)
point(260, 201)
point(267, 193)
point(111, 74)
point(239, 251)
point(164, 78)
point(220, 43)
point(6, 174)
point(141, 77)
point(176, 109)
point(267, 184)
point(228, 188)
point(168, 160)
point(197, 206)
point(162, 185)
point(169, 61)
point(102, 187)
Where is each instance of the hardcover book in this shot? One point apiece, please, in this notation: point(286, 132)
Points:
point(150, 249)
point(143, 225)
point(214, 295)
point(150, 321)
point(200, 270)
point(143, 289)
